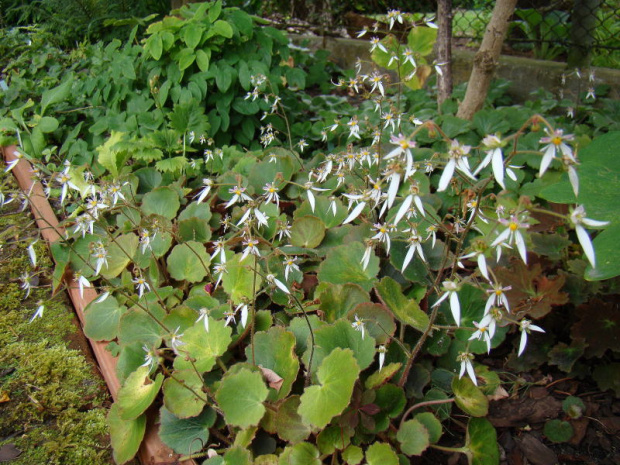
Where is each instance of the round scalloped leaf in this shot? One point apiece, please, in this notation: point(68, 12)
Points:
point(378, 321)
point(241, 396)
point(137, 326)
point(120, 253)
point(381, 454)
point(189, 261)
point(180, 400)
point(391, 399)
point(337, 375)
point(203, 347)
point(558, 431)
point(289, 425)
point(138, 393)
point(238, 282)
point(307, 231)
point(102, 319)
point(194, 229)
point(353, 455)
point(300, 454)
point(130, 358)
point(432, 424)
point(469, 397)
point(125, 435)
point(331, 439)
point(413, 437)
point(323, 210)
point(237, 455)
point(162, 201)
point(185, 436)
point(338, 299)
point(406, 310)
point(340, 334)
point(481, 441)
point(573, 407)
point(275, 350)
point(343, 265)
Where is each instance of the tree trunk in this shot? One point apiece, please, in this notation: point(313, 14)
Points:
point(486, 59)
point(444, 49)
point(584, 21)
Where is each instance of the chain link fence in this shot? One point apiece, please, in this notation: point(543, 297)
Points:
point(577, 31)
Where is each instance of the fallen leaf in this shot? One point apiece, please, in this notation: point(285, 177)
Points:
point(499, 394)
point(275, 381)
point(4, 396)
point(9, 452)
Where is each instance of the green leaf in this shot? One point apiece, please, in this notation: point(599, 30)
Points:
point(178, 396)
point(558, 431)
point(353, 455)
point(189, 261)
point(102, 319)
point(47, 124)
point(108, 156)
point(289, 424)
point(340, 335)
point(407, 311)
point(336, 300)
point(422, 39)
point(469, 398)
point(380, 453)
point(120, 253)
point(241, 396)
point(137, 326)
point(481, 440)
point(185, 436)
point(432, 425)
point(222, 28)
point(337, 375)
point(202, 59)
point(203, 347)
point(154, 45)
point(215, 10)
point(238, 282)
point(125, 435)
point(343, 265)
point(138, 393)
point(307, 231)
point(192, 35)
point(275, 350)
point(56, 95)
point(162, 201)
point(413, 437)
point(300, 454)
point(378, 321)
point(331, 439)
point(380, 377)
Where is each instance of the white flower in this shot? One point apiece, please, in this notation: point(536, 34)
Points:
point(393, 16)
point(377, 83)
point(250, 248)
point(302, 144)
point(309, 186)
point(261, 218)
point(432, 232)
point(451, 289)
point(284, 230)
point(465, 359)
point(271, 279)
point(12, 164)
point(38, 313)
point(512, 235)
point(150, 357)
point(175, 340)
point(366, 257)
point(381, 350)
point(375, 42)
point(218, 249)
point(484, 330)
point(219, 269)
point(358, 325)
point(579, 220)
point(481, 260)
point(204, 316)
point(243, 308)
point(271, 193)
point(415, 245)
point(497, 298)
point(82, 283)
point(102, 297)
point(525, 326)
point(145, 240)
point(383, 234)
point(290, 265)
point(101, 254)
point(556, 141)
point(493, 145)
point(202, 194)
point(403, 146)
point(458, 160)
point(354, 128)
point(413, 197)
point(239, 194)
point(141, 285)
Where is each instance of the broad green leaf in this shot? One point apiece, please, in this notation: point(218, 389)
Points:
point(137, 326)
point(307, 231)
point(222, 28)
point(422, 39)
point(180, 394)
point(340, 335)
point(203, 347)
point(130, 359)
point(202, 59)
point(323, 210)
point(241, 396)
point(120, 252)
point(47, 124)
point(237, 455)
point(413, 437)
point(185, 436)
point(343, 265)
point(162, 201)
point(406, 310)
point(109, 156)
point(391, 399)
point(469, 398)
point(332, 438)
point(289, 424)
point(380, 453)
point(337, 375)
point(432, 424)
point(102, 319)
point(192, 35)
point(137, 393)
point(300, 454)
point(125, 435)
point(481, 440)
point(268, 171)
point(378, 321)
point(353, 455)
point(275, 350)
point(239, 282)
point(380, 377)
point(336, 300)
point(215, 10)
point(558, 430)
point(154, 45)
point(189, 261)
point(55, 95)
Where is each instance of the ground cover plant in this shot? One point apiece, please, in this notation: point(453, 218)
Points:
point(289, 277)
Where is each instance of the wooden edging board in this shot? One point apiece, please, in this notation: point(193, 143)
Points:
point(152, 451)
